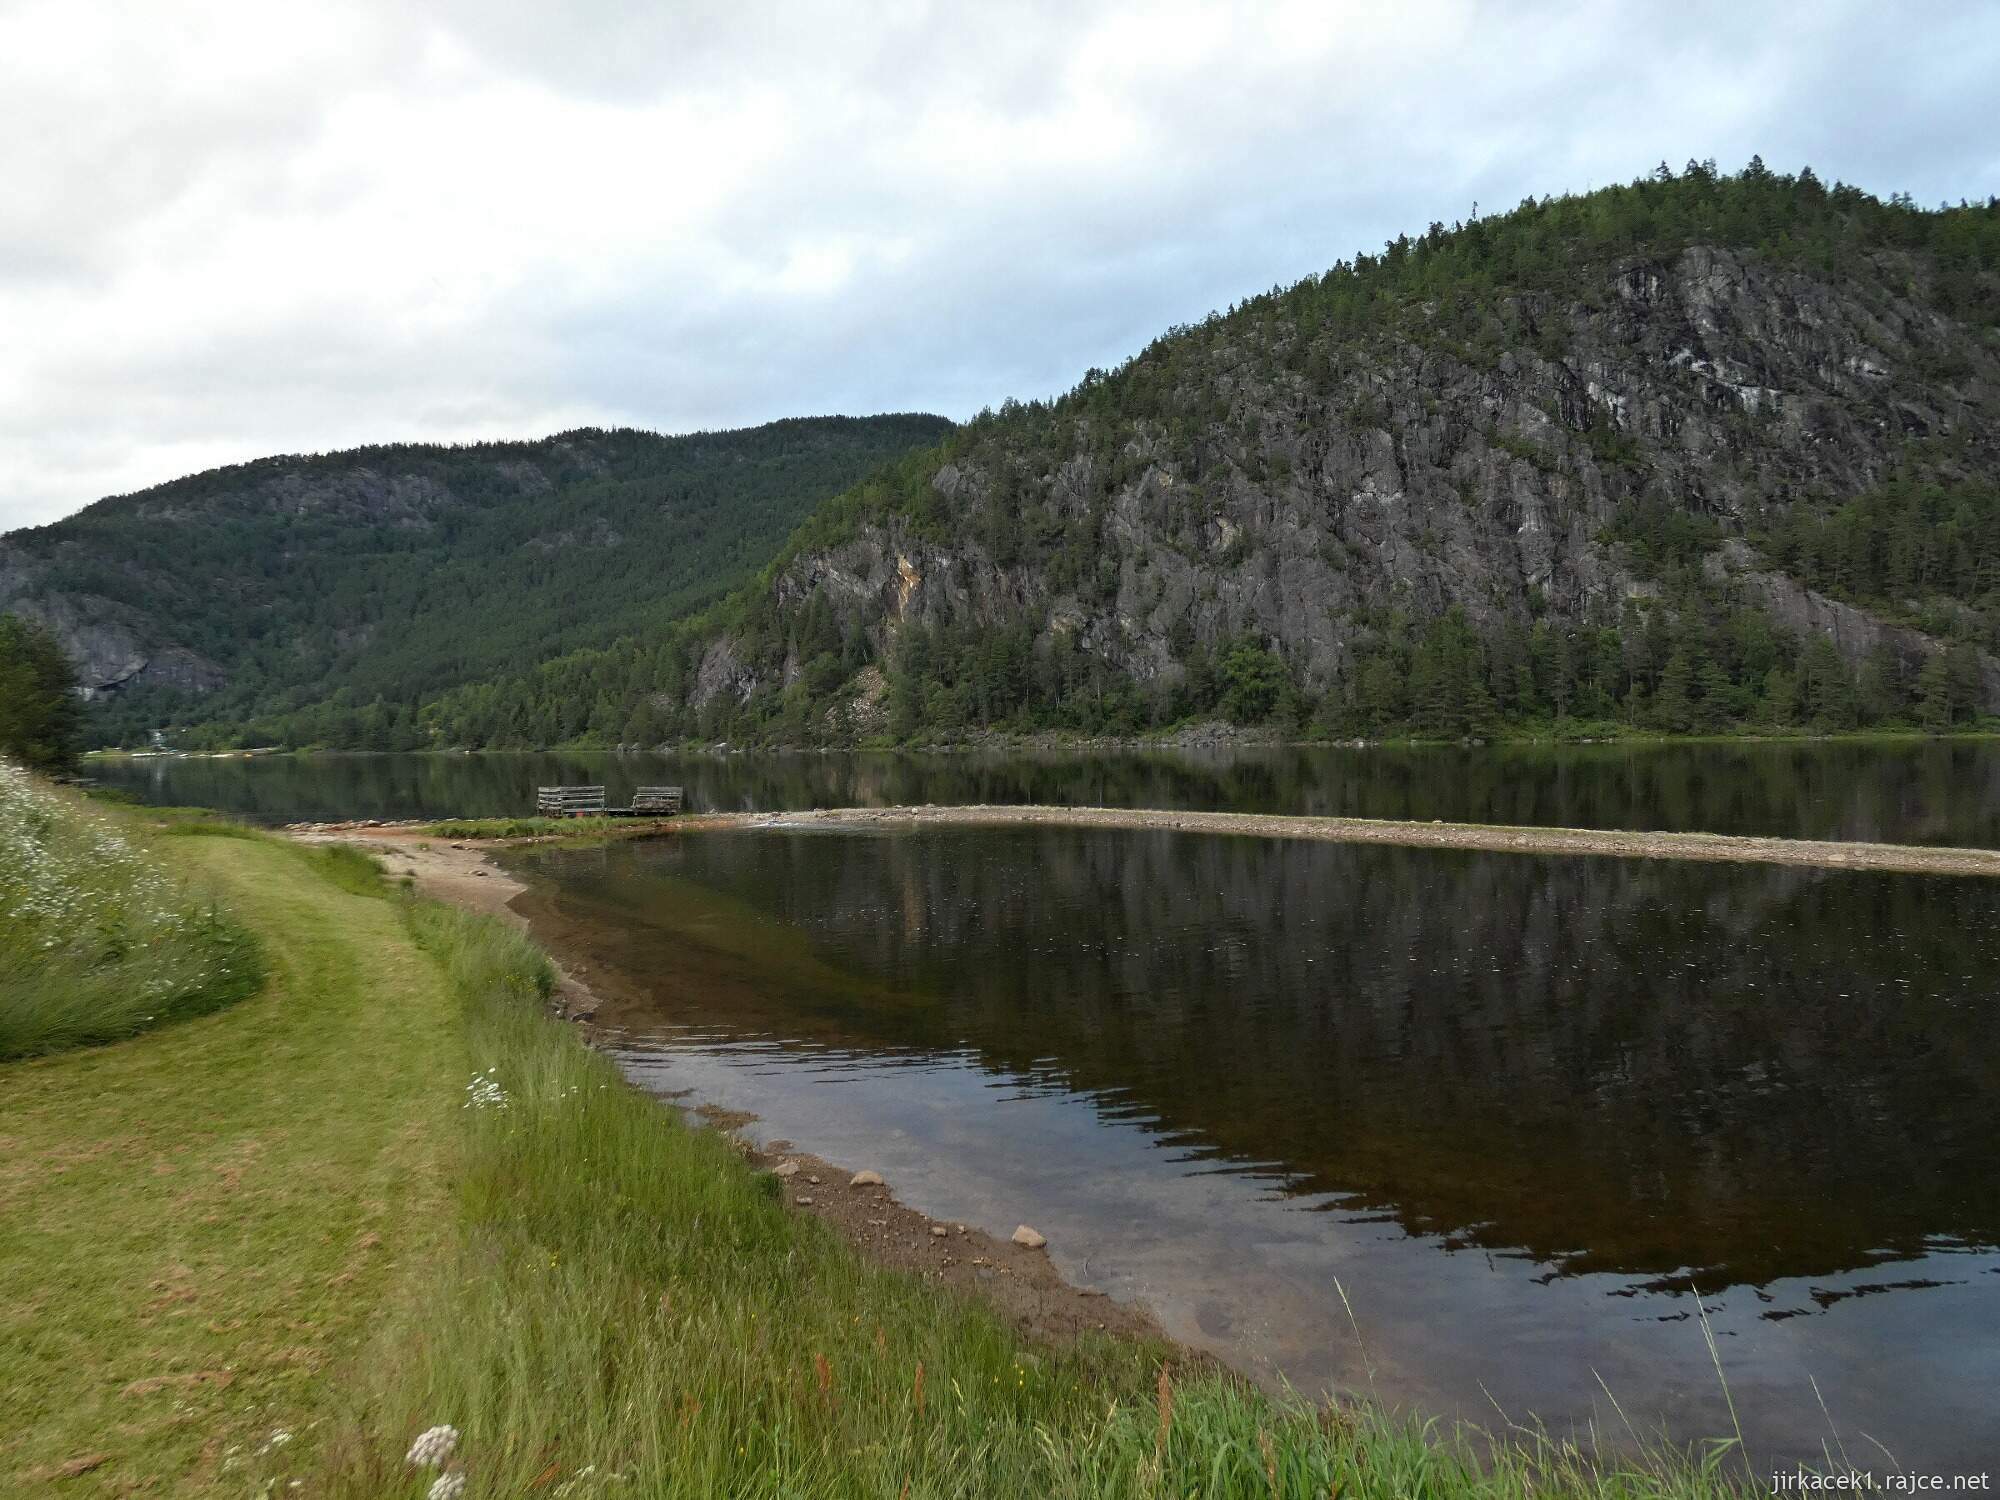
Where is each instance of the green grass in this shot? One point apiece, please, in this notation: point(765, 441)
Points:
point(100, 940)
point(627, 1299)
point(627, 1295)
point(355, 871)
point(165, 816)
point(199, 1226)
point(301, 1215)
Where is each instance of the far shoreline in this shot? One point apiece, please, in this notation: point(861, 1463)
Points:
point(1190, 737)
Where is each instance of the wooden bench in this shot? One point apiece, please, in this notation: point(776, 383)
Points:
point(656, 801)
point(569, 801)
point(588, 802)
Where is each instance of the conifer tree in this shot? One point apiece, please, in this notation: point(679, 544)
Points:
point(40, 712)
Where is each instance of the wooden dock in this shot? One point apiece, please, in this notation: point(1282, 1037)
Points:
point(588, 802)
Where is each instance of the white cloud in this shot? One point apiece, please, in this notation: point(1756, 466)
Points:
point(233, 229)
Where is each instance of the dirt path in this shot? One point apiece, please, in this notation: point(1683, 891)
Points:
point(456, 872)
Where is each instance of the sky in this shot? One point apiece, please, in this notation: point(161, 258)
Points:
point(229, 230)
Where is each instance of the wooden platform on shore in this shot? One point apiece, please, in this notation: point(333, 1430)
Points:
point(588, 802)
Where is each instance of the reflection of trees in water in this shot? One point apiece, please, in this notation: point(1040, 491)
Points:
point(1934, 793)
point(1628, 1065)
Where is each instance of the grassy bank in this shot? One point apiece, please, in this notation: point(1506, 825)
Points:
point(198, 1225)
point(101, 939)
point(388, 1192)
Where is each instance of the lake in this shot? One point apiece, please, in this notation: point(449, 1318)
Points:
point(1451, 1129)
point(1935, 792)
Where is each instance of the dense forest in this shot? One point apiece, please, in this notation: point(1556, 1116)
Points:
point(1072, 504)
point(1703, 452)
point(1689, 662)
point(308, 599)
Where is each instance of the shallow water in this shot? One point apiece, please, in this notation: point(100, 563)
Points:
point(1903, 792)
point(1455, 1129)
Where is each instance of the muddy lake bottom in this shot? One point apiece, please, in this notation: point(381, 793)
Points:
point(1468, 1133)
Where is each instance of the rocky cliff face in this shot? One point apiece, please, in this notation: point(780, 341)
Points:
point(1260, 477)
point(111, 645)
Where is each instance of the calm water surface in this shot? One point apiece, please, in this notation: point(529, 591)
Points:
point(1521, 1112)
point(1931, 793)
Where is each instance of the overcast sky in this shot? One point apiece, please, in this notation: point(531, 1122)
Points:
point(228, 230)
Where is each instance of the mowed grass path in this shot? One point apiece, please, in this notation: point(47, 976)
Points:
point(198, 1225)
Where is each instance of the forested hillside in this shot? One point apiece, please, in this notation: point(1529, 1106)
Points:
point(322, 599)
point(1700, 452)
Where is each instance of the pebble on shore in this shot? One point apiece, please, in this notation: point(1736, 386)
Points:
point(866, 1179)
point(1031, 1239)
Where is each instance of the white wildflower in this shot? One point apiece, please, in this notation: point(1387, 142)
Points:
point(79, 897)
point(275, 1441)
point(433, 1446)
point(448, 1486)
point(484, 1092)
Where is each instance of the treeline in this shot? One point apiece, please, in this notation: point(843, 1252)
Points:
point(1690, 659)
point(604, 697)
point(1693, 664)
point(1699, 667)
point(1927, 553)
point(1687, 661)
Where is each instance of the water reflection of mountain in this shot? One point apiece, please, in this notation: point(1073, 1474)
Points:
point(1614, 1065)
point(1936, 792)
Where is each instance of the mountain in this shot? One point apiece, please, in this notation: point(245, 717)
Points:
point(1701, 452)
point(1696, 452)
point(287, 598)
